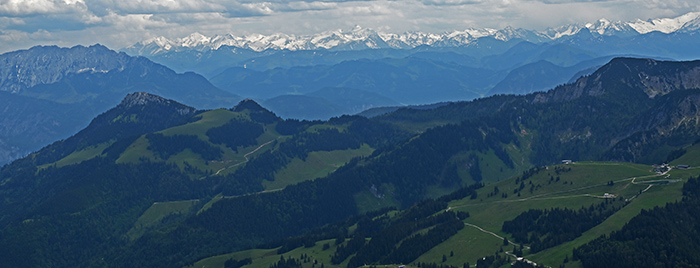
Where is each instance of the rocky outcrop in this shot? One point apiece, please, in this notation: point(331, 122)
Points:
point(143, 98)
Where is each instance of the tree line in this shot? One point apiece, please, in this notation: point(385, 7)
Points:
point(660, 237)
point(547, 228)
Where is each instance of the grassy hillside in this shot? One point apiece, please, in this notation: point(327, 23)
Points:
point(585, 184)
point(156, 216)
point(316, 165)
point(79, 156)
point(572, 186)
point(690, 157)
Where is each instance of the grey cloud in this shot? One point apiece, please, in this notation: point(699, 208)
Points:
point(103, 7)
point(451, 2)
point(308, 1)
point(231, 8)
point(570, 1)
point(227, 7)
point(50, 23)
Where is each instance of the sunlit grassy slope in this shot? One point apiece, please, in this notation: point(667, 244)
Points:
point(585, 184)
point(207, 120)
point(580, 184)
point(316, 165)
point(80, 156)
point(691, 157)
point(154, 216)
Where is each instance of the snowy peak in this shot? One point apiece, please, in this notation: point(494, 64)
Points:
point(509, 33)
point(668, 25)
point(358, 38)
point(195, 40)
point(684, 23)
point(602, 27)
point(363, 38)
point(562, 31)
point(355, 39)
point(606, 27)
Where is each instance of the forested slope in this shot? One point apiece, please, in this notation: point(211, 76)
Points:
point(149, 152)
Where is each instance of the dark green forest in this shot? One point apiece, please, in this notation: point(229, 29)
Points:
point(542, 229)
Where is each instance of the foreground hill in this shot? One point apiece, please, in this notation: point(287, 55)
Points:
point(156, 183)
point(49, 93)
point(542, 215)
point(149, 149)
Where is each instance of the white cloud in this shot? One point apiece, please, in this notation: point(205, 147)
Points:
point(153, 6)
point(18, 8)
point(16, 40)
point(6, 22)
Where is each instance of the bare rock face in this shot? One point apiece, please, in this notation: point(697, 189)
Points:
point(628, 77)
point(142, 98)
point(662, 94)
point(23, 69)
point(656, 85)
point(675, 121)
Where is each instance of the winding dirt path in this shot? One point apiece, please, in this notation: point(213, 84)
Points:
point(493, 234)
point(544, 195)
point(509, 253)
point(547, 196)
point(244, 156)
point(241, 163)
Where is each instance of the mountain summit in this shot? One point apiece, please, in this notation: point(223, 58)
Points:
point(144, 98)
point(248, 104)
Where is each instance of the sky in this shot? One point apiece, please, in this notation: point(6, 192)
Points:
point(121, 23)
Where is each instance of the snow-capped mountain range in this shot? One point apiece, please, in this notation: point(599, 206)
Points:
point(363, 38)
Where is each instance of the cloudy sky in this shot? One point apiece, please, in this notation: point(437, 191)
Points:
point(120, 23)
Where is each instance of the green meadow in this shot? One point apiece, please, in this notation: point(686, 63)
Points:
point(580, 184)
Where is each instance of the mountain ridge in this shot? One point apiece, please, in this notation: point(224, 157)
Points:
point(19, 69)
point(363, 38)
point(633, 74)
